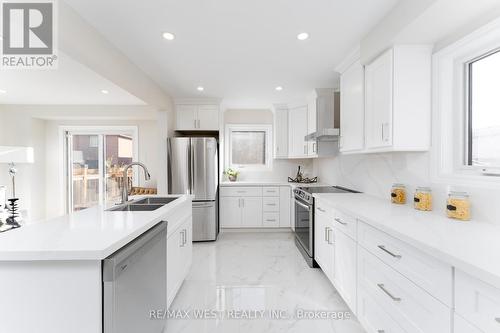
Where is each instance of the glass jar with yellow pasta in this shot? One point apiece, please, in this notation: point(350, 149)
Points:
point(423, 199)
point(398, 194)
point(458, 206)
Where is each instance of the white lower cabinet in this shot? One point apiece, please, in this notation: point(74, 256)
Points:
point(477, 302)
point(344, 268)
point(179, 257)
point(324, 241)
point(410, 306)
point(255, 207)
point(373, 316)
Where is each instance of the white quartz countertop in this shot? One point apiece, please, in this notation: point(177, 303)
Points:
point(270, 183)
point(472, 246)
point(90, 234)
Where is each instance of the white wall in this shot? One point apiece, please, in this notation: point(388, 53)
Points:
point(281, 168)
point(41, 186)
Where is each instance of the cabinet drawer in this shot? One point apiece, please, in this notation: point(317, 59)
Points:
point(478, 302)
point(428, 273)
point(410, 306)
point(373, 317)
point(347, 224)
point(271, 204)
point(240, 191)
point(271, 219)
point(271, 191)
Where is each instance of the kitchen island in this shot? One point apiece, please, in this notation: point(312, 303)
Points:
point(51, 271)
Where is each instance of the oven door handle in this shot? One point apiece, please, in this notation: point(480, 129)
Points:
point(302, 205)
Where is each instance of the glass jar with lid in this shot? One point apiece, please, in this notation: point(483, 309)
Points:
point(458, 206)
point(422, 199)
point(398, 194)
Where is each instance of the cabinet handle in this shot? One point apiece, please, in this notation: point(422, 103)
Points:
point(239, 203)
point(380, 331)
point(329, 239)
point(194, 121)
point(199, 123)
point(326, 234)
point(181, 234)
point(382, 247)
point(271, 204)
point(314, 147)
point(383, 138)
point(340, 221)
point(269, 220)
point(243, 203)
point(497, 320)
point(321, 209)
point(382, 287)
point(305, 150)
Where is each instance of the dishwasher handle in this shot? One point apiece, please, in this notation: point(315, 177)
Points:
point(119, 261)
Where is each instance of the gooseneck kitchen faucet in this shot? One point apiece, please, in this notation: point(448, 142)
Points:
point(125, 179)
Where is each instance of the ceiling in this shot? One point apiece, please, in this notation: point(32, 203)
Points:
point(70, 84)
point(238, 51)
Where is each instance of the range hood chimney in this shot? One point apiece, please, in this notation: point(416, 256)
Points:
point(326, 103)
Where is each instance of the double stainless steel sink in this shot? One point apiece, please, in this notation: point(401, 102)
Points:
point(143, 205)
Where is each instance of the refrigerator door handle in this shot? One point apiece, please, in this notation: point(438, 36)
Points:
point(190, 168)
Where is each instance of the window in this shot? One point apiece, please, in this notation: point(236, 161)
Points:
point(249, 146)
point(95, 161)
point(483, 125)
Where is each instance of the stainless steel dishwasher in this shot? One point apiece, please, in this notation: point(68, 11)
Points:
point(135, 283)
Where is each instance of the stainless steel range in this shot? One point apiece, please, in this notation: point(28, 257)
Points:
point(304, 218)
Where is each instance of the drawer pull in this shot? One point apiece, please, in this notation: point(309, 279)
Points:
point(273, 220)
point(382, 247)
point(497, 320)
point(242, 191)
point(271, 204)
point(380, 331)
point(340, 221)
point(395, 299)
point(329, 239)
point(321, 209)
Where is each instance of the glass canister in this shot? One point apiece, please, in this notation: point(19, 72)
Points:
point(458, 206)
point(398, 194)
point(423, 199)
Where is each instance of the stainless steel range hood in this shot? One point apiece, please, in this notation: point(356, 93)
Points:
point(326, 104)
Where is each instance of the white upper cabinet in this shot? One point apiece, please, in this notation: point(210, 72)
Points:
point(298, 147)
point(379, 94)
point(398, 100)
point(352, 109)
point(281, 132)
point(312, 124)
point(197, 117)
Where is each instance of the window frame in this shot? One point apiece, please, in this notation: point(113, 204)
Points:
point(250, 128)
point(451, 107)
point(92, 130)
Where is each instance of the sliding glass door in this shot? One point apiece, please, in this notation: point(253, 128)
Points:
point(95, 164)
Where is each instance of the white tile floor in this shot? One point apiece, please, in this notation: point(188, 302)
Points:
point(256, 271)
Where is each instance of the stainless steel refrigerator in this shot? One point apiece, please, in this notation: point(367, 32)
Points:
point(193, 169)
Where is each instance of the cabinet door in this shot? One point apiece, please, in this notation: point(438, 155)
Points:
point(208, 117)
point(230, 212)
point(174, 264)
point(281, 133)
point(345, 268)
point(285, 193)
point(324, 243)
point(379, 97)
point(187, 247)
point(298, 130)
point(352, 110)
point(186, 117)
point(251, 212)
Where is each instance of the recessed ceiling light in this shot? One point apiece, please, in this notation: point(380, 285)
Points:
point(3, 91)
point(168, 36)
point(200, 88)
point(303, 36)
point(105, 92)
point(279, 88)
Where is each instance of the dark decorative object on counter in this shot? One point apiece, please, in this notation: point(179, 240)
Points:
point(13, 209)
point(300, 178)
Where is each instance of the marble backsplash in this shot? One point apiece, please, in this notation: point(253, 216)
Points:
point(375, 174)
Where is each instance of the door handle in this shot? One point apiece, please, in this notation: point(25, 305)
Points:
point(382, 287)
point(382, 247)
